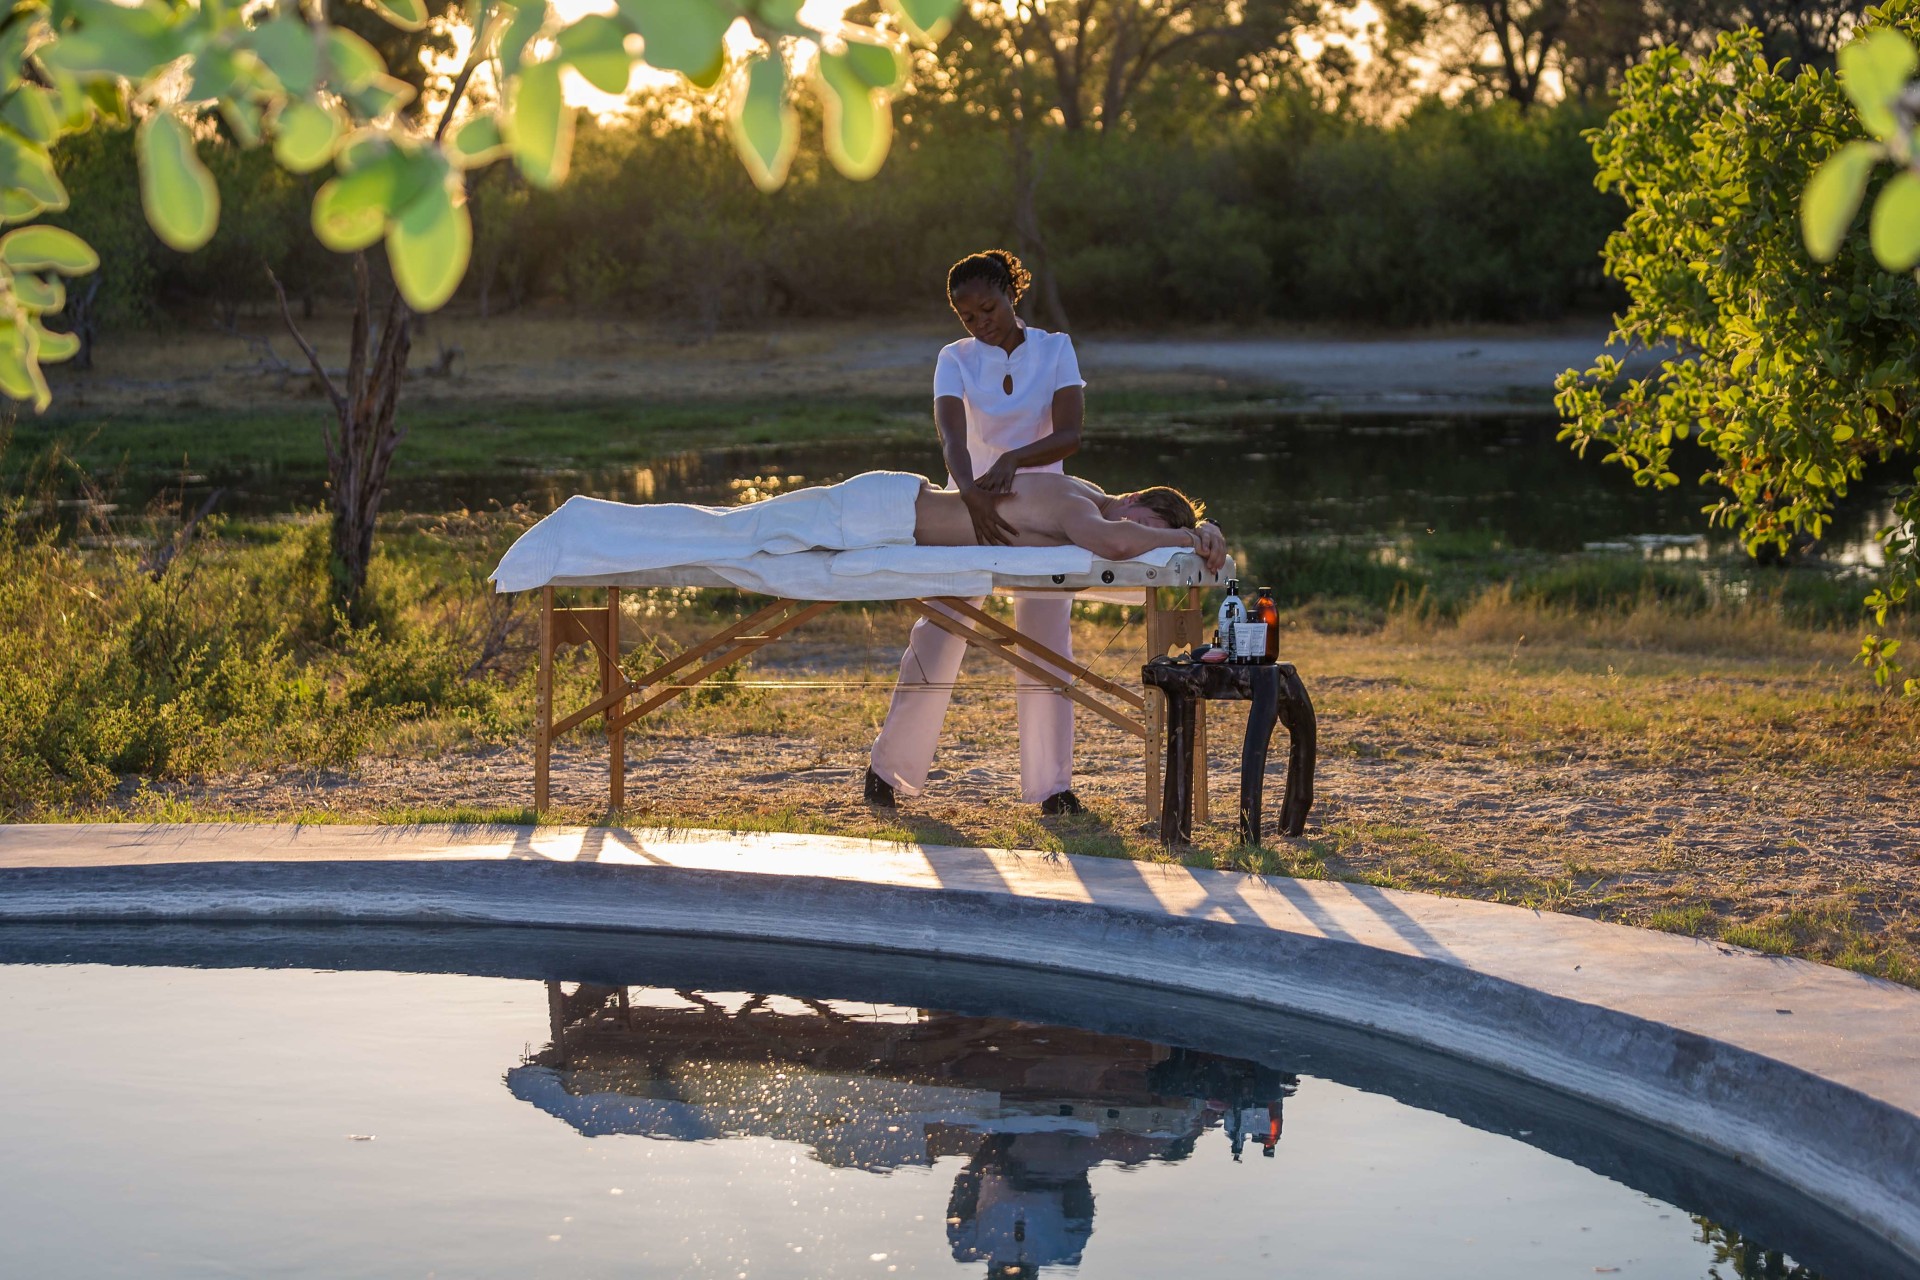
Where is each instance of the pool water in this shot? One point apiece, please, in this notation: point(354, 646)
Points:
point(660, 1118)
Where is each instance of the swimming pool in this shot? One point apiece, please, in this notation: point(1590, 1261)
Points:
point(347, 1100)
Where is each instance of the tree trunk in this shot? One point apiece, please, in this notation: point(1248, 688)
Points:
point(360, 448)
point(1026, 206)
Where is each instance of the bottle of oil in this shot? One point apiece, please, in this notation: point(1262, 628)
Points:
point(1253, 637)
point(1264, 618)
point(1233, 620)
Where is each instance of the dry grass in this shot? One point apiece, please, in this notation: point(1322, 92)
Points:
point(1756, 789)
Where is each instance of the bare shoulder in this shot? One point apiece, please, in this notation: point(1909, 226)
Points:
point(1055, 486)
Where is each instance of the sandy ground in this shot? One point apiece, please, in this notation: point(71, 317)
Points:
point(1595, 830)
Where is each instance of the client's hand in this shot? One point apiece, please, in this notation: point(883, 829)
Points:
point(988, 528)
point(1211, 545)
point(998, 478)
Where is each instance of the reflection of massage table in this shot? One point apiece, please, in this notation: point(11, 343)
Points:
point(622, 700)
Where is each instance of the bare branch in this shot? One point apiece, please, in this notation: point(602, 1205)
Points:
point(313, 357)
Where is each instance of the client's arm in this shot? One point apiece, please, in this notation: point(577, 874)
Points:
point(1084, 526)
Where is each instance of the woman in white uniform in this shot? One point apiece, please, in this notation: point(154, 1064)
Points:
point(1007, 398)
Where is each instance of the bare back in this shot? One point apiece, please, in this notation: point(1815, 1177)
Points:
point(1039, 509)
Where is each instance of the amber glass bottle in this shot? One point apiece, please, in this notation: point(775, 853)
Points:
point(1267, 615)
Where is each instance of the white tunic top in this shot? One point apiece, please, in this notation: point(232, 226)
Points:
point(997, 421)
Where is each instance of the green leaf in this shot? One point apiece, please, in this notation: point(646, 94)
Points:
point(540, 130)
point(217, 74)
point(291, 52)
point(20, 375)
point(1842, 433)
point(595, 46)
point(875, 65)
point(1833, 196)
point(244, 117)
point(44, 248)
point(13, 49)
point(350, 213)
point(859, 126)
point(1894, 228)
point(408, 15)
point(765, 128)
point(55, 347)
point(33, 112)
point(1873, 70)
point(380, 95)
point(783, 16)
point(181, 198)
point(428, 246)
point(361, 148)
point(687, 36)
point(925, 19)
point(109, 100)
point(303, 135)
point(37, 293)
point(110, 49)
point(18, 206)
point(27, 169)
point(352, 62)
point(476, 141)
point(527, 20)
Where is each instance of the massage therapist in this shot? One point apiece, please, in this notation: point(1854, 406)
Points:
point(1007, 398)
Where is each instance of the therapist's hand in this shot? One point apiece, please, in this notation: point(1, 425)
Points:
point(998, 478)
point(988, 528)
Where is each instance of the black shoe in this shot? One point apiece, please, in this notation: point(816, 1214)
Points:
point(1061, 804)
point(879, 791)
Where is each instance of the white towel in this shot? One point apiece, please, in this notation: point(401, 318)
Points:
point(590, 537)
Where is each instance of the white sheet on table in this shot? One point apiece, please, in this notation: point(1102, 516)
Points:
point(590, 537)
point(907, 573)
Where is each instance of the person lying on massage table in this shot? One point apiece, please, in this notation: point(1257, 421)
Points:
point(1039, 509)
point(1047, 509)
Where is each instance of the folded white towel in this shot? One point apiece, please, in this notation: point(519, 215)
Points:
point(590, 537)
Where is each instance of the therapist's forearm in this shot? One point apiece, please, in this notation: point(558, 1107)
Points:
point(1069, 411)
point(950, 417)
point(1063, 443)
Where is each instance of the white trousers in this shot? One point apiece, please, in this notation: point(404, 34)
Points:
point(904, 751)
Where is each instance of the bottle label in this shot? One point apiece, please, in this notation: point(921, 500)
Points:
point(1250, 642)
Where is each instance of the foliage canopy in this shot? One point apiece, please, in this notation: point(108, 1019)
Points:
point(1793, 376)
point(325, 96)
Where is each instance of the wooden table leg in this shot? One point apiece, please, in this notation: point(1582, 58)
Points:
point(1176, 800)
point(1261, 717)
point(543, 704)
point(610, 674)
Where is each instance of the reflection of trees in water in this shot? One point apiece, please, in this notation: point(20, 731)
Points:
point(1737, 1258)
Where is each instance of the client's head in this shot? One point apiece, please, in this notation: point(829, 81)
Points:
point(1160, 507)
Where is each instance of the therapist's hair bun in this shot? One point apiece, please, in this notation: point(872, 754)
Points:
point(996, 267)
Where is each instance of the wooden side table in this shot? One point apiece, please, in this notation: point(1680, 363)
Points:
point(1277, 696)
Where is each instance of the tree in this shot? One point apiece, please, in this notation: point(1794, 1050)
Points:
point(1792, 376)
point(1521, 50)
point(325, 96)
point(1877, 72)
point(1094, 60)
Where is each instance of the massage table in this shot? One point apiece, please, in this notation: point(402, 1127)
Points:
point(1170, 595)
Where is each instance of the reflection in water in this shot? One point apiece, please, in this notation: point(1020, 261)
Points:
point(1032, 1110)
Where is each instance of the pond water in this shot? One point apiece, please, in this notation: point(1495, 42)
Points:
point(307, 1102)
point(1503, 479)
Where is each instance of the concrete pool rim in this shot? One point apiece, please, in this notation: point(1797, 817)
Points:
point(1808, 1074)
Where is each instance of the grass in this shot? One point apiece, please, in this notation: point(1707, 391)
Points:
point(1682, 746)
